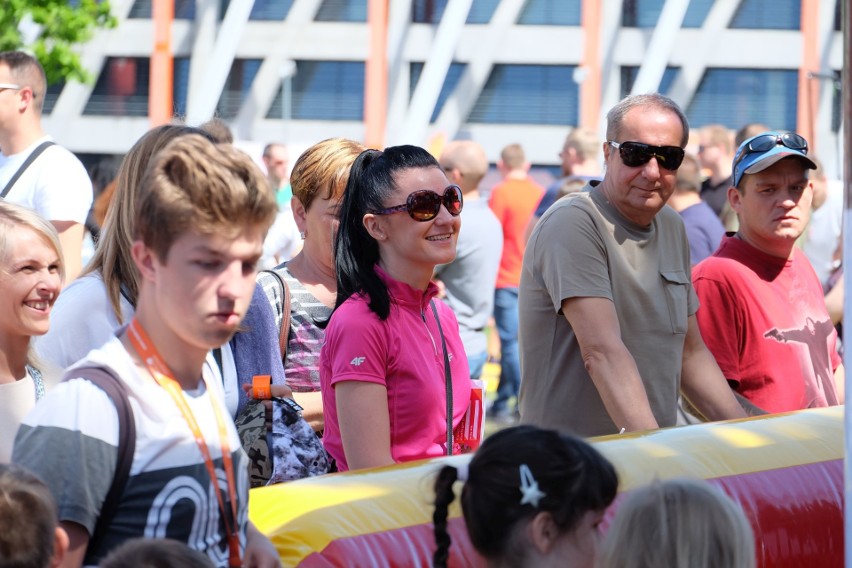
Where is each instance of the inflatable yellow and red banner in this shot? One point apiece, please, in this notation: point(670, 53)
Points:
point(785, 470)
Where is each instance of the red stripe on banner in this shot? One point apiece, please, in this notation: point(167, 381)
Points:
point(796, 514)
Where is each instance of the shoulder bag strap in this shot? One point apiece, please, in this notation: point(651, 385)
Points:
point(448, 379)
point(115, 389)
point(284, 330)
point(30, 159)
point(217, 356)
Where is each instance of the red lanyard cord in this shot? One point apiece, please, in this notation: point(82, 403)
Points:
point(164, 377)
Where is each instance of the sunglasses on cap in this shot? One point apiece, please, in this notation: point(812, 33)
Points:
point(424, 204)
point(765, 142)
point(635, 154)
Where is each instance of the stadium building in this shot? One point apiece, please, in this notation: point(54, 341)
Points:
point(425, 71)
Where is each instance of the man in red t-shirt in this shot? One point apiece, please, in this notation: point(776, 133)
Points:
point(762, 312)
point(513, 201)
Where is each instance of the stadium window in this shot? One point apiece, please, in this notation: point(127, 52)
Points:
point(342, 11)
point(142, 9)
point(236, 88)
point(768, 15)
point(324, 90)
point(734, 97)
point(550, 13)
point(263, 10)
point(645, 13)
point(121, 88)
point(838, 17)
point(629, 74)
point(454, 73)
point(50, 97)
point(431, 11)
point(528, 94)
point(180, 84)
point(836, 102)
point(237, 85)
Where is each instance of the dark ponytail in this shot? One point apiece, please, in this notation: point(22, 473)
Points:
point(355, 251)
point(371, 182)
point(573, 477)
point(444, 495)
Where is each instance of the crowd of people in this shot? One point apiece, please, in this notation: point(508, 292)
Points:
point(128, 387)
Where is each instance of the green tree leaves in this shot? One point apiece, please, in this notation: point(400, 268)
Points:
point(58, 27)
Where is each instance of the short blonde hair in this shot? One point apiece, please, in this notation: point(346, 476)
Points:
point(720, 136)
point(196, 185)
point(468, 157)
point(678, 523)
point(323, 169)
point(689, 174)
point(14, 217)
point(513, 156)
point(586, 143)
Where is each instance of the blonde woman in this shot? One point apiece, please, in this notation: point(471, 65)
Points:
point(678, 523)
point(31, 276)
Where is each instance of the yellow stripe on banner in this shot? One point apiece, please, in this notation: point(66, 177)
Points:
point(723, 449)
point(303, 517)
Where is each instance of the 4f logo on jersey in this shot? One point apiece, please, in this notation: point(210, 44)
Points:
point(357, 361)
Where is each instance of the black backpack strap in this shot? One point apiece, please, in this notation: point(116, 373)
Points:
point(115, 389)
point(217, 355)
point(30, 159)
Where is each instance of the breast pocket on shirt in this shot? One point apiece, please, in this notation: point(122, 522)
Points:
point(675, 283)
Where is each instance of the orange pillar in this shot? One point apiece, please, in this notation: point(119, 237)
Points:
point(590, 87)
point(376, 75)
point(160, 91)
point(808, 88)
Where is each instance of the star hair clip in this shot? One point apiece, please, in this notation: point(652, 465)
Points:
point(532, 495)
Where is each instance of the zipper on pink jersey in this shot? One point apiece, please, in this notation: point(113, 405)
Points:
point(434, 345)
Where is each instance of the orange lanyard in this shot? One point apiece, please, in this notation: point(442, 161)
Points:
point(161, 373)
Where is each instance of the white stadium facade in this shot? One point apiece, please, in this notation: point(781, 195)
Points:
point(495, 71)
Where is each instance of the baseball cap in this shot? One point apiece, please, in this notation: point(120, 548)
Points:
point(759, 152)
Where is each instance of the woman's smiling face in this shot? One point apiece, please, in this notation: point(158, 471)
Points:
point(30, 281)
point(418, 245)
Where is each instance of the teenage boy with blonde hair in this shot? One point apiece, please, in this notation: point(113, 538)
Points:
point(201, 215)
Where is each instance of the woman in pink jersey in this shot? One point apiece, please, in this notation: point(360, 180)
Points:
point(393, 370)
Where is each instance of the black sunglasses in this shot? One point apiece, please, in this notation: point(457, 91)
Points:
point(765, 142)
point(424, 204)
point(635, 154)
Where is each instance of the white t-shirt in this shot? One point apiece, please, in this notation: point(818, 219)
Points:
point(823, 233)
point(56, 184)
point(82, 319)
point(283, 241)
point(16, 399)
point(70, 439)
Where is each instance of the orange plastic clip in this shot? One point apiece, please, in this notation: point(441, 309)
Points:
point(260, 388)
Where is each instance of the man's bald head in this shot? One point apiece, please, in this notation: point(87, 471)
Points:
point(468, 159)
